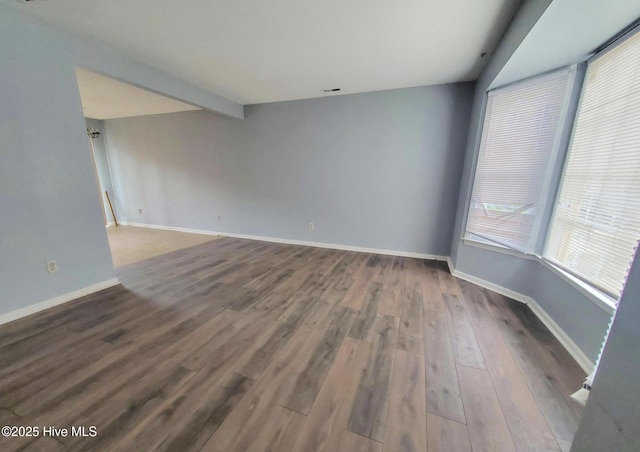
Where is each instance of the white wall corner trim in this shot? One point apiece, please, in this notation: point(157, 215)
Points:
point(450, 265)
point(577, 354)
point(333, 246)
point(61, 299)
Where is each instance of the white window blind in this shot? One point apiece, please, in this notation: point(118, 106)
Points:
point(595, 227)
point(518, 139)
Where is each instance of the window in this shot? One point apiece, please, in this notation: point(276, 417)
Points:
point(595, 226)
point(519, 137)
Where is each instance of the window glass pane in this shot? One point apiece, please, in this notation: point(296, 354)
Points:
point(595, 227)
point(519, 132)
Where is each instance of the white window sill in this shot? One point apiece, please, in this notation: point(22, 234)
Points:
point(605, 302)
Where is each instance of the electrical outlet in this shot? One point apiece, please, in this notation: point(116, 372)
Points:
point(140, 211)
point(312, 226)
point(52, 267)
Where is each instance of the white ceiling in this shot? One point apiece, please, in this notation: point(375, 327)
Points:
point(105, 98)
point(254, 51)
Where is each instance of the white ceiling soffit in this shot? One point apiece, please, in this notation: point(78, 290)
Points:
point(568, 32)
point(106, 98)
point(254, 51)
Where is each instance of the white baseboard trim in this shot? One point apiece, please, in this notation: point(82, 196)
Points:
point(169, 228)
point(565, 340)
point(333, 246)
point(61, 299)
point(491, 286)
point(450, 265)
point(577, 354)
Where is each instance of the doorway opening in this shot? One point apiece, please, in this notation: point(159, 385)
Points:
point(129, 223)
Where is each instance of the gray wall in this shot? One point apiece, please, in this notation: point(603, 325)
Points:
point(48, 188)
point(510, 271)
point(181, 169)
point(48, 192)
point(378, 170)
point(583, 321)
point(610, 421)
point(102, 165)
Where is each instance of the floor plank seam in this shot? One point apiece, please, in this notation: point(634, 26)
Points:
point(250, 343)
point(364, 437)
point(291, 409)
point(448, 418)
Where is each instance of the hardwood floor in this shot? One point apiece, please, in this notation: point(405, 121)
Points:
point(236, 345)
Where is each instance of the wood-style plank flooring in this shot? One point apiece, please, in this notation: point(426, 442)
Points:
point(239, 345)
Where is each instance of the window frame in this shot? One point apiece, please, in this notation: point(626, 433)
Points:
point(558, 152)
point(555, 174)
point(604, 295)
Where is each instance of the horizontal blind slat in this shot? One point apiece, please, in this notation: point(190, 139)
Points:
point(515, 147)
point(595, 227)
